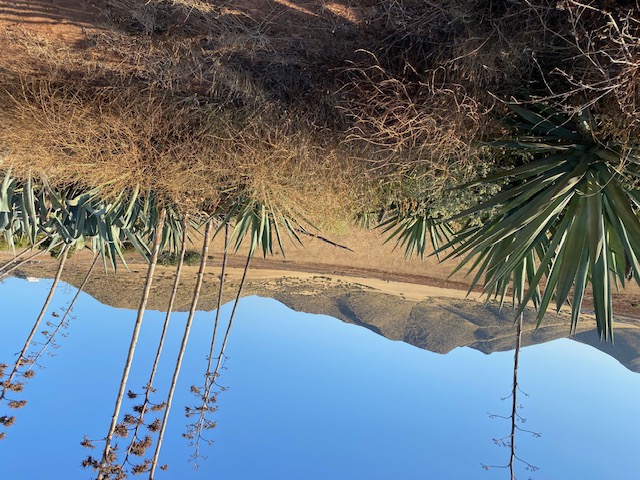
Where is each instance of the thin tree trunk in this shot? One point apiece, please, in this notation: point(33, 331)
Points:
point(19, 264)
point(514, 395)
point(63, 259)
point(66, 314)
point(218, 306)
point(208, 379)
point(183, 345)
point(233, 313)
point(165, 327)
point(29, 248)
point(134, 340)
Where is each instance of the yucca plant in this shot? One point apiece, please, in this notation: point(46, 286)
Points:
point(413, 228)
point(260, 222)
point(566, 215)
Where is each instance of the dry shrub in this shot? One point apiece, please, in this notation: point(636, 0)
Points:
point(292, 171)
point(188, 65)
point(414, 128)
point(191, 152)
point(112, 138)
point(424, 92)
point(474, 43)
point(603, 75)
point(172, 113)
point(435, 79)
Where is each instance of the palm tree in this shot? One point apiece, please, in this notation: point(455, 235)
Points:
point(183, 345)
point(104, 468)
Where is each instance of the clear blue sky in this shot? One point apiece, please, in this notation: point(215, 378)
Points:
point(313, 398)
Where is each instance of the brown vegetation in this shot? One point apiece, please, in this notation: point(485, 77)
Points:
point(312, 106)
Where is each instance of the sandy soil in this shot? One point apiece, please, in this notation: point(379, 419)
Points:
point(384, 272)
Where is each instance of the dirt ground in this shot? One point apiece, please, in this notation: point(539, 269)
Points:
point(71, 23)
point(372, 264)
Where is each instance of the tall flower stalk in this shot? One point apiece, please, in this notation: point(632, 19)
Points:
point(183, 345)
point(9, 384)
point(22, 359)
point(136, 445)
point(196, 429)
point(63, 320)
point(107, 457)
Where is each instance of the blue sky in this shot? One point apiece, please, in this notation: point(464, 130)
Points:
point(311, 397)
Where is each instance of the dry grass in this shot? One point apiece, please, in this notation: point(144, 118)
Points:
point(184, 150)
point(191, 98)
point(154, 17)
point(441, 71)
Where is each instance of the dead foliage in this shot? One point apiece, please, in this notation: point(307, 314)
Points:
point(312, 106)
point(188, 150)
point(439, 70)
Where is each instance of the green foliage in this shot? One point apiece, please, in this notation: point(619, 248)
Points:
point(75, 217)
point(563, 217)
point(262, 223)
point(410, 229)
point(191, 257)
point(20, 242)
point(414, 208)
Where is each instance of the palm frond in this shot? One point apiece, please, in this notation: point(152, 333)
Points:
point(563, 217)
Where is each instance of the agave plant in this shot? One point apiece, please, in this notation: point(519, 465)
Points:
point(566, 216)
point(18, 217)
point(79, 217)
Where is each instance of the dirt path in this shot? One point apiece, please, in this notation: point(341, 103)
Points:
point(409, 286)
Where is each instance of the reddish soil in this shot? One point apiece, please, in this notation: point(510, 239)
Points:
point(63, 20)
